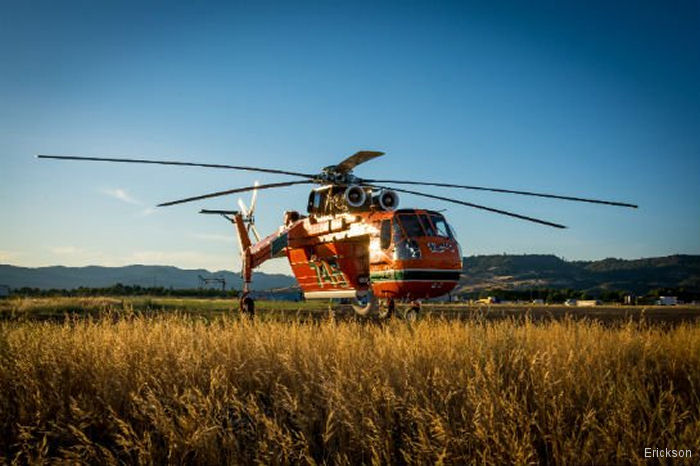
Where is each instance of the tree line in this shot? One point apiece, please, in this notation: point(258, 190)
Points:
point(126, 290)
point(548, 295)
point(559, 296)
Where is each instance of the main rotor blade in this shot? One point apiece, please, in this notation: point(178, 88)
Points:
point(222, 212)
point(476, 206)
point(233, 191)
point(170, 162)
point(356, 159)
point(508, 191)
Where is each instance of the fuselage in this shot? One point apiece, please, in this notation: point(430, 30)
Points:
point(403, 254)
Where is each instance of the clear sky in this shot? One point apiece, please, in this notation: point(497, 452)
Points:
point(597, 99)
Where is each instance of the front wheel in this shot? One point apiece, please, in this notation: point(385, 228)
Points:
point(412, 311)
point(364, 303)
point(411, 314)
point(387, 308)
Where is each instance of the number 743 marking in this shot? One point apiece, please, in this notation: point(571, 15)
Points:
point(328, 274)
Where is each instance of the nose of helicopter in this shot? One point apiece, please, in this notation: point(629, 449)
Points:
point(424, 267)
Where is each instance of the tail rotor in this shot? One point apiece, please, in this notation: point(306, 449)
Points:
point(248, 212)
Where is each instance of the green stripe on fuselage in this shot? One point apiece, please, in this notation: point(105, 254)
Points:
point(410, 275)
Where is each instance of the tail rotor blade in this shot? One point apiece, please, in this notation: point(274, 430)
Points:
point(253, 198)
point(244, 210)
point(255, 232)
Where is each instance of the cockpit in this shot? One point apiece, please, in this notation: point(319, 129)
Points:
point(415, 225)
point(408, 228)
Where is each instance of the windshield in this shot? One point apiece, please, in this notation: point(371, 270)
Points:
point(417, 225)
point(441, 226)
point(427, 225)
point(411, 226)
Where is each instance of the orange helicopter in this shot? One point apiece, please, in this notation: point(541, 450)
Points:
point(354, 243)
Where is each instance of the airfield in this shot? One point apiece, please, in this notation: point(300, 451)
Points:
point(59, 308)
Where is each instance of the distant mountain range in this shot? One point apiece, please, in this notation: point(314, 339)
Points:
point(548, 271)
point(60, 277)
point(480, 273)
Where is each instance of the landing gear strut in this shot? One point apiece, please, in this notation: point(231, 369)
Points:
point(387, 308)
point(364, 303)
point(412, 311)
point(247, 305)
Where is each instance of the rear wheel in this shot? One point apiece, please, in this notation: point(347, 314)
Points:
point(247, 306)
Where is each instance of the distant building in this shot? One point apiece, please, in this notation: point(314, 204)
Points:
point(488, 300)
point(587, 302)
point(667, 301)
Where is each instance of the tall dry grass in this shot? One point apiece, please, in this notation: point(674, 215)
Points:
point(179, 390)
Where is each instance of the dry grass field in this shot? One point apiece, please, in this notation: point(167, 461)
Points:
point(183, 388)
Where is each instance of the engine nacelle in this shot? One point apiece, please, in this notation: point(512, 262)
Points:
point(355, 196)
point(387, 199)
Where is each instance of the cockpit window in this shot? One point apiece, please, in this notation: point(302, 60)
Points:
point(417, 225)
point(441, 226)
point(427, 225)
point(397, 232)
point(411, 225)
point(385, 234)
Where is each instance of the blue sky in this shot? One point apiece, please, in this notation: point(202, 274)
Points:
point(598, 99)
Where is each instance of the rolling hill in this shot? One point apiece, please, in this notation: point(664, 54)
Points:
point(548, 271)
point(60, 277)
point(509, 272)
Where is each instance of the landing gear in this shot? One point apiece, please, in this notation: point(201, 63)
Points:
point(387, 308)
point(247, 305)
point(364, 303)
point(412, 311)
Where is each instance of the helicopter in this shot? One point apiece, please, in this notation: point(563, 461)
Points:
point(354, 242)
